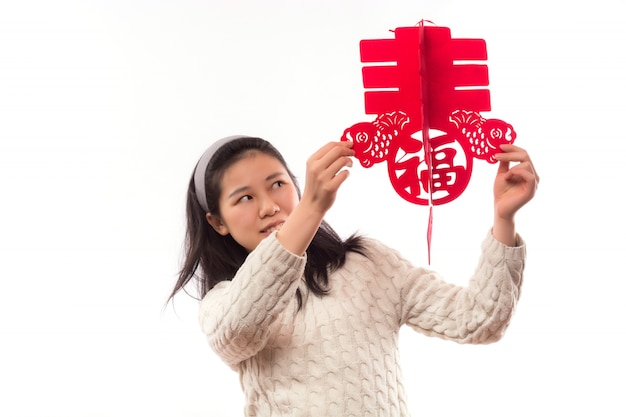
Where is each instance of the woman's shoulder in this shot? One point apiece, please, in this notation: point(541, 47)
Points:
point(375, 250)
point(373, 244)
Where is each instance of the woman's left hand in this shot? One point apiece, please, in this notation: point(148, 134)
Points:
point(515, 185)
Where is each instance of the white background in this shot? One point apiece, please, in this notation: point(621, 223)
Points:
point(105, 107)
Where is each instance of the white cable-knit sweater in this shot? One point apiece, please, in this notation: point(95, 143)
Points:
point(338, 355)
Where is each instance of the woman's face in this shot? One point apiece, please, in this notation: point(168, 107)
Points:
point(257, 197)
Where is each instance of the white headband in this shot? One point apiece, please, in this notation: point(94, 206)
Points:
point(200, 171)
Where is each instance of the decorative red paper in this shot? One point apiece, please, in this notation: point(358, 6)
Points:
point(428, 102)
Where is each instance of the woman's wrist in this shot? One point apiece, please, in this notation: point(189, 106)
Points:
point(299, 229)
point(504, 231)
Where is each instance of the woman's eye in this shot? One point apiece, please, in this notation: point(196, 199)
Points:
point(278, 184)
point(245, 198)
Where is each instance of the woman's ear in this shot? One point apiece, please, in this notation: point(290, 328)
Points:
point(217, 224)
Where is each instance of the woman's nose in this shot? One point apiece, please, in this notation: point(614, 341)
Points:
point(268, 207)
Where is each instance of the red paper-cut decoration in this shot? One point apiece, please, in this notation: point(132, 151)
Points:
point(428, 126)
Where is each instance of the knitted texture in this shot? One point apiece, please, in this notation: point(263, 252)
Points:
point(338, 355)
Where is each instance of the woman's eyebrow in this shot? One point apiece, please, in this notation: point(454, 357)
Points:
point(246, 187)
point(274, 175)
point(237, 191)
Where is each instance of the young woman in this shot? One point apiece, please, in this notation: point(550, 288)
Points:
point(310, 321)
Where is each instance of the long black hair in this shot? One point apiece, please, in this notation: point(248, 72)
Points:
point(210, 258)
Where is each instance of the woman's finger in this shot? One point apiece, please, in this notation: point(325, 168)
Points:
point(513, 153)
point(332, 148)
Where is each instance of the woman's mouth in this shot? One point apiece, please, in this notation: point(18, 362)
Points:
point(272, 229)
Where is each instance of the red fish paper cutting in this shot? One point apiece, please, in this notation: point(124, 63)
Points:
point(428, 127)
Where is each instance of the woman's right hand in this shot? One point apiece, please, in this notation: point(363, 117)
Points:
point(325, 173)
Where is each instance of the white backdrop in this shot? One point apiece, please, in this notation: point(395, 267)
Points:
point(106, 105)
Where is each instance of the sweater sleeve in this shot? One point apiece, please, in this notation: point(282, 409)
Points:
point(477, 313)
point(236, 315)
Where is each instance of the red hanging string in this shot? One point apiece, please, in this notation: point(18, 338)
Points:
point(426, 132)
